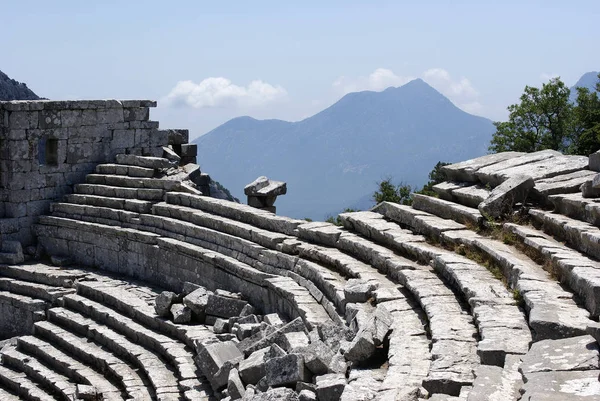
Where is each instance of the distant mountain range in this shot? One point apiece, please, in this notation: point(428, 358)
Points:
point(14, 90)
point(333, 159)
point(587, 80)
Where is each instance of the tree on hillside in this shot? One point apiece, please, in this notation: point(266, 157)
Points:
point(436, 176)
point(542, 120)
point(586, 135)
point(389, 192)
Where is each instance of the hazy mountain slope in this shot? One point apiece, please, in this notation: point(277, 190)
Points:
point(333, 159)
point(14, 90)
point(587, 80)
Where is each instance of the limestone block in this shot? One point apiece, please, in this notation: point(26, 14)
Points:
point(163, 303)
point(317, 357)
point(223, 306)
point(196, 301)
point(357, 290)
point(252, 369)
point(263, 186)
point(177, 136)
point(235, 387)
point(330, 386)
point(575, 353)
point(212, 356)
point(504, 196)
point(189, 150)
point(285, 370)
point(181, 313)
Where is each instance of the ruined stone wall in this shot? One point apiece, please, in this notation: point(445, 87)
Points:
point(47, 146)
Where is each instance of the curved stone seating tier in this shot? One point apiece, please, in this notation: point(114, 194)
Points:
point(235, 211)
point(19, 384)
point(54, 383)
point(123, 169)
point(577, 207)
point(575, 269)
point(447, 210)
point(486, 295)
point(552, 311)
point(68, 366)
point(580, 235)
point(171, 262)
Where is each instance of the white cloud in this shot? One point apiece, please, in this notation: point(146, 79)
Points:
point(378, 80)
point(460, 91)
point(221, 92)
point(442, 81)
point(545, 77)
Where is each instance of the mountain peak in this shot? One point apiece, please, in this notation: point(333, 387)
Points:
point(14, 90)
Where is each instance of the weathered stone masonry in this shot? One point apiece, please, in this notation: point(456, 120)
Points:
point(47, 146)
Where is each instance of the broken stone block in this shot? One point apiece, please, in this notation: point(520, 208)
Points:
point(220, 326)
point(307, 395)
point(220, 306)
point(181, 313)
point(87, 393)
point(338, 364)
point(196, 301)
point(170, 154)
point(357, 290)
point(163, 303)
point(275, 394)
point(504, 196)
point(371, 336)
point(588, 191)
point(330, 386)
point(235, 387)
point(274, 351)
point(317, 357)
point(213, 355)
point(294, 341)
point(273, 319)
point(246, 330)
point(332, 334)
point(252, 369)
point(285, 370)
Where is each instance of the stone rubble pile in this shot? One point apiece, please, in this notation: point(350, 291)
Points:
point(254, 357)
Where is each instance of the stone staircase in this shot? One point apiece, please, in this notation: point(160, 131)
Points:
point(105, 334)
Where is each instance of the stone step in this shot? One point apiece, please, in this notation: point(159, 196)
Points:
point(42, 274)
point(466, 194)
point(576, 270)
point(553, 313)
point(122, 169)
point(146, 194)
point(236, 211)
point(113, 367)
point(161, 377)
point(19, 383)
point(418, 221)
point(497, 383)
point(466, 171)
point(580, 235)
point(156, 163)
point(130, 205)
point(268, 261)
point(454, 336)
point(6, 396)
point(34, 290)
point(577, 207)
point(562, 184)
point(66, 365)
point(448, 210)
point(93, 213)
point(23, 302)
point(172, 350)
point(133, 182)
point(266, 238)
point(58, 384)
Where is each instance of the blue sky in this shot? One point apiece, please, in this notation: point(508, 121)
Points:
point(208, 61)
